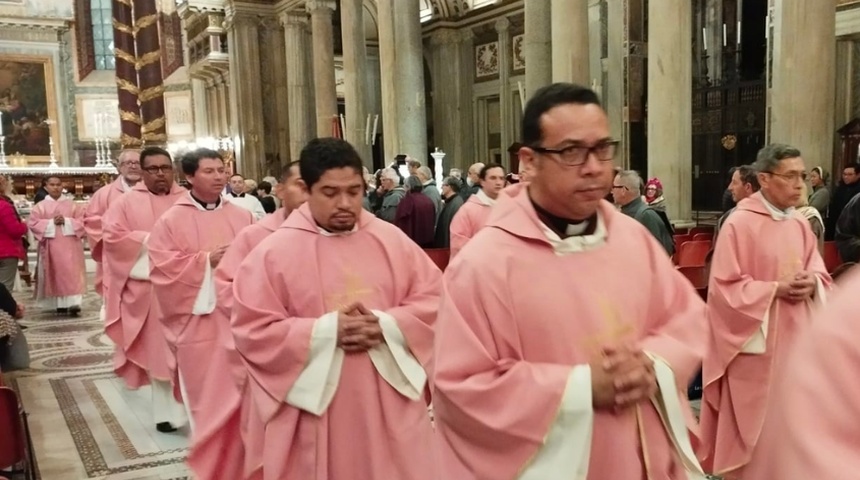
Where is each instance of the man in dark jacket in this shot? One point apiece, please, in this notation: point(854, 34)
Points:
point(848, 231)
point(452, 201)
point(847, 189)
point(625, 190)
point(416, 214)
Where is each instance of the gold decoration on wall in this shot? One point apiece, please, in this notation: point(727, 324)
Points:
point(127, 116)
point(148, 58)
point(150, 93)
point(144, 22)
point(729, 142)
point(124, 84)
point(153, 125)
point(123, 55)
point(129, 141)
point(122, 27)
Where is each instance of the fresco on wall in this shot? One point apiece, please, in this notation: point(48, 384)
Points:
point(26, 102)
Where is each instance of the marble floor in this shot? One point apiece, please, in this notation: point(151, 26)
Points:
point(84, 422)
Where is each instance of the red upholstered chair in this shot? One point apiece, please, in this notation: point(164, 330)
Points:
point(692, 254)
point(698, 277)
point(16, 450)
point(831, 256)
point(703, 237)
point(440, 256)
point(681, 231)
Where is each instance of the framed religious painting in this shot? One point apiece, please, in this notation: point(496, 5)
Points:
point(28, 107)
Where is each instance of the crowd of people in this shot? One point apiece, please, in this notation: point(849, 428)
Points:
point(319, 341)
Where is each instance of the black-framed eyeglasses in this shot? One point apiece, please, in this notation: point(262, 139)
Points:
point(129, 163)
point(792, 177)
point(154, 169)
point(576, 155)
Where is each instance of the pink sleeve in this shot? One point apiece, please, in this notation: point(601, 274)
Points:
point(490, 405)
point(176, 272)
point(274, 344)
point(78, 213)
point(38, 222)
point(121, 244)
point(459, 230)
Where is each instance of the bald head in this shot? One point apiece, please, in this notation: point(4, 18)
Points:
point(129, 166)
point(474, 173)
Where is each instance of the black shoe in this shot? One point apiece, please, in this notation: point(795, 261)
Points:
point(165, 427)
point(75, 311)
point(62, 311)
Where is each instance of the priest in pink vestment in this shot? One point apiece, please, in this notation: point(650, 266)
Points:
point(560, 359)
point(333, 318)
point(129, 175)
point(474, 213)
point(765, 276)
point(223, 434)
point(133, 313)
point(185, 247)
point(57, 224)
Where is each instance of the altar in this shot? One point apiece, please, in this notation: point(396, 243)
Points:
point(78, 181)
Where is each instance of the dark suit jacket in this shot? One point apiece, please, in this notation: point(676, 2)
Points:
point(443, 226)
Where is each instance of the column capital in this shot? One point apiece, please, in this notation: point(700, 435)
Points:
point(325, 7)
point(444, 36)
point(466, 35)
point(293, 18)
point(503, 25)
point(239, 19)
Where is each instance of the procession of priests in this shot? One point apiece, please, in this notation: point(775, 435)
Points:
point(321, 342)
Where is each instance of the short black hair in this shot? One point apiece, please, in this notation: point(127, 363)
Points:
point(854, 166)
point(287, 171)
point(547, 98)
point(151, 152)
point(749, 175)
point(265, 186)
point(237, 175)
point(49, 177)
point(323, 154)
point(191, 160)
point(483, 173)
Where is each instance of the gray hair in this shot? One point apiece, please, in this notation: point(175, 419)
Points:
point(413, 184)
point(455, 172)
point(121, 157)
point(768, 158)
point(631, 179)
point(390, 174)
point(477, 166)
point(425, 173)
point(453, 183)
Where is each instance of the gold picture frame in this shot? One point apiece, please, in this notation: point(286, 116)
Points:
point(28, 97)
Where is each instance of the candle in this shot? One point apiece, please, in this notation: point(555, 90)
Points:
point(705, 39)
point(724, 34)
point(1, 124)
point(367, 130)
point(342, 127)
point(739, 32)
point(375, 124)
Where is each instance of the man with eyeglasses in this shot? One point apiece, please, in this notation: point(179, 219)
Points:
point(129, 175)
point(133, 312)
point(473, 215)
point(765, 276)
point(553, 358)
point(625, 191)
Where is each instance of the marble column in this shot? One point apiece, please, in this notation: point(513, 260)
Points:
point(200, 107)
point(670, 89)
point(323, 59)
point(570, 62)
point(355, 78)
point(538, 45)
point(503, 27)
point(409, 76)
point(445, 64)
point(246, 103)
point(803, 88)
point(390, 125)
point(844, 84)
point(302, 124)
point(222, 96)
point(615, 73)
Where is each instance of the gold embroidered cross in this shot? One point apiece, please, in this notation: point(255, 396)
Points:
point(789, 266)
point(354, 290)
point(615, 329)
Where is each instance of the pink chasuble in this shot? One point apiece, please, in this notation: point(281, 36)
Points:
point(61, 270)
point(812, 432)
point(332, 415)
point(752, 332)
point(132, 313)
point(221, 441)
point(98, 206)
point(469, 219)
point(515, 335)
point(183, 282)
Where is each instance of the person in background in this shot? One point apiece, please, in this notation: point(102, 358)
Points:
point(843, 194)
point(452, 202)
point(413, 165)
point(816, 221)
point(473, 181)
point(238, 196)
point(429, 187)
point(42, 192)
point(476, 210)
point(12, 233)
point(416, 214)
point(654, 195)
point(626, 190)
point(264, 193)
point(251, 187)
point(728, 201)
point(847, 235)
point(391, 192)
point(820, 197)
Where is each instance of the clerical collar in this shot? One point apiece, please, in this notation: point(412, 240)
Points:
point(484, 198)
point(565, 227)
point(775, 212)
point(205, 205)
point(241, 195)
point(327, 233)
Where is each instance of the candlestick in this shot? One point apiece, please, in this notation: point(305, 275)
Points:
point(705, 39)
point(1, 123)
point(51, 143)
point(3, 163)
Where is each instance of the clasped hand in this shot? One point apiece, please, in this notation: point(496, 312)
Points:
point(621, 378)
point(59, 220)
point(798, 289)
point(216, 255)
point(358, 328)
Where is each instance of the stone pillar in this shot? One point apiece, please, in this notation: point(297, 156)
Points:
point(538, 45)
point(409, 75)
point(390, 124)
point(803, 91)
point(323, 58)
point(444, 59)
point(246, 103)
point(200, 108)
point(355, 78)
point(614, 88)
point(222, 97)
point(570, 62)
point(503, 26)
point(302, 123)
point(670, 89)
point(373, 99)
point(843, 113)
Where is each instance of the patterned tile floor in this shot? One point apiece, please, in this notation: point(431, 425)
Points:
point(85, 424)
